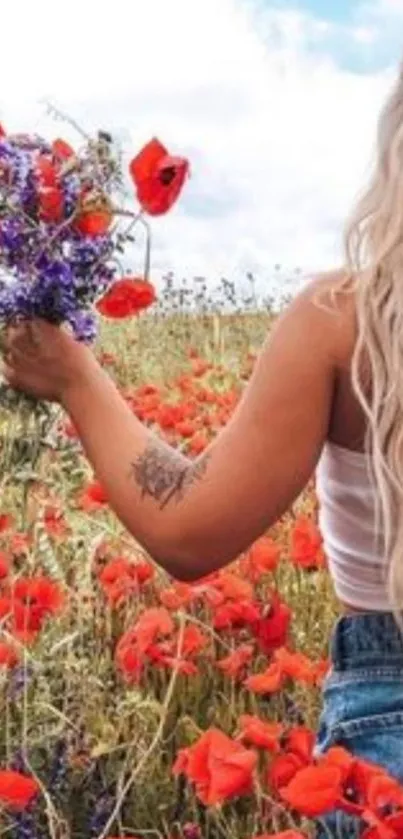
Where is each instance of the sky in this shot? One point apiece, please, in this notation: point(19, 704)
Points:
point(274, 102)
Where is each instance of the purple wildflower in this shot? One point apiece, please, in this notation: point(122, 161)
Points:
point(58, 767)
point(19, 678)
point(101, 814)
point(25, 826)
point(47, 269)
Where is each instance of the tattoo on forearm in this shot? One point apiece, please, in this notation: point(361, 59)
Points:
point(164, 474)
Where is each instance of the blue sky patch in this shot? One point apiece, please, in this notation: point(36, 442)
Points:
point(357, 36)
point(338, 10)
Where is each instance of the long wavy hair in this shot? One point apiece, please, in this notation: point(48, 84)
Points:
point(374, 256)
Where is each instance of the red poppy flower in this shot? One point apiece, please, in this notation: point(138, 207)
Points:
point(262, 558)
point(219, 767)
point(374, 790)
point(181, 665)
point(117, 581)
point(46, 172)
point(158, 178)
point(264, 735)
point(32, 600)
point(340, 757)
point(384, 791)
point(390, 827)
point(6, 521)
point(4, 565)
point(314, 790)
point(300, 741)
point(168, 416)
point(180, 765)
point(140, 641)
point(62, 150)
point(8, 655)
point(126, 298)
point(54, 522)
point(129, 661)
point(176, 596)
point(45, 593)
point(283, 769)
point(193, 641)
point(142, 571)
point(185, 429)
point(233, 587)
point(93, 223)
point(152, 623)
point(271, 630)
point(234, 663)
point(270, 681)
point(16, 790)
point(235, 614)
point(93, 497)
point(306, 545)
point(20, 619)
point(50, 204)
point(296, 666)
point(120, 578)
point(49, 195)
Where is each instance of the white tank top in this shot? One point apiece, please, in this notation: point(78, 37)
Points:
point(347, 523)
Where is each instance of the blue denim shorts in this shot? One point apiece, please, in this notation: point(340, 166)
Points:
point(363, 700)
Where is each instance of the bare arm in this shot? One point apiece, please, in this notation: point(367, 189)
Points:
point(195, 516)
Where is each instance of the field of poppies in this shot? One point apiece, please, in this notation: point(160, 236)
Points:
point(134, 706)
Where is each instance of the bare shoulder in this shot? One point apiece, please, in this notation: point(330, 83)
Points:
point(325, 312)
point(332, 294)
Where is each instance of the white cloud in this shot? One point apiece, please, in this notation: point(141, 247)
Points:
point(392, 9)
point(279, 137)
point(365, 34)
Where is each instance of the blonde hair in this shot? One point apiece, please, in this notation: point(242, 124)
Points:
point(374, 252)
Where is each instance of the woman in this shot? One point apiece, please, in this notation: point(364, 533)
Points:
point(327, 393)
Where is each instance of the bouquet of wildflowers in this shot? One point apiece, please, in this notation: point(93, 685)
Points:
point(61, 230)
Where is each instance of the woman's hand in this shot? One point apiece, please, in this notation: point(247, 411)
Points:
point(44, 361)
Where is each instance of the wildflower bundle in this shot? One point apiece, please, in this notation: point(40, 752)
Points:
point(63, 232)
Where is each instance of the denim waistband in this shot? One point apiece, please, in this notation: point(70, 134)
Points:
point(367, 639)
